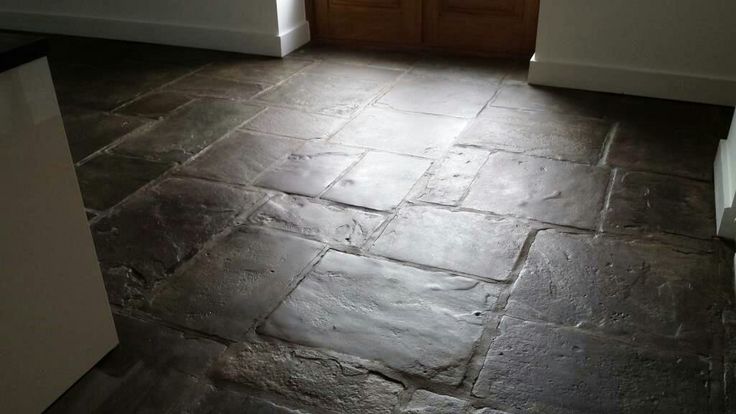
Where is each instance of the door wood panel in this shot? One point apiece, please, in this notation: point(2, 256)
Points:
point(385, 21)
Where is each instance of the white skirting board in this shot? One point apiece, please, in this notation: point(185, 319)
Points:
point(256, 43)
point(628, 81)
point(725, 185)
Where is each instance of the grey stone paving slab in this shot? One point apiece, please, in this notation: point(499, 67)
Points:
point(542, 189)
point(185, 133)
point(450, 179)
point(535, 367)
point(295, 123)
point(380, 181)
point(88, 131)
point(308, 377)
point(196, 85)
point(352, 71)
point(107, 179)
point(426, 402)
point(463, 68)
point(310, 169)
point(224, 401)
point(329, 223)
point(420, 322)
point(155, 105)
point(438, 95)
point(545, 134)
point(156, 229)
point(398, 60)
point(407, 133)
point(240, 157)
point(254, 69)
point(465, 242)
point(225, 289)
point(566, 101)
point(642, 202)
point(639, 290)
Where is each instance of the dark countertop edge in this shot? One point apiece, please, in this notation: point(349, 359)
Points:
point(16, 50)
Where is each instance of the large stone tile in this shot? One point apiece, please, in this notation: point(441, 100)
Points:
point(425, 402)
point(420, 322)
point(254, 69)
point(469, 69)
point(240, 157)
point(460, 241)
point(107, 179)
point(379, 181)
point(542, 189)
point(196, 85)
point(224, 290)
point(450, 179)
point(329, 95)
point(565, 101)
point(710, 120)
point(438, 95)
point(185, 133)
point(406, 133)
point(308, 377)
point(544, 134)
point(640, 290)
point(667, 148)
point(329, 223)
point(643, 202)
point(352, 71)
point(398, 60)
point(155, 105)
point(311, 169)
point(294, 123)
point(158, 228)
point(88, 131)
point(533, 367)
point(224, 401)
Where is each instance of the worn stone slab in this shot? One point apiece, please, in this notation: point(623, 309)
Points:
point(406, 133)
point(225, 401)
point(240, 157)
point(224, 290)
point(310, 169)
point(185, 133)
point(325, 222)
point(309, 377)
point(642, 202)
point(450, 179)
point(438, 95)
point(294, 123)
point(197, 85)
point(398, 60)
point(88, 131)
point(353, 71)
point(468, 69)
point(565, 101)
point(536, 367)
point(665, 147)
point(328, 95)
point(542, 189)
point(379, 181)
point(243, 68)
point(640, 290)
point(156, 229)
point(107, 179)
point(416, 321)
point(545, 134)
point(155, 105)
point(426, 402)
point(465, 242)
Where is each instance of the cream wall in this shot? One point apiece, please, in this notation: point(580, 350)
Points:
point(679, 49)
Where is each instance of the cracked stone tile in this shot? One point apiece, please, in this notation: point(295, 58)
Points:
point(294, 123)
point(379, 181)
point(421, 322)
point(155, 105)
point(535, 367)
point(310, 169)
point(425, 402)
point(328, 95)
point(438, 95)
point(196, 85)
point(325, 222)
point(352, 71)
point(308, 377)
point(538, 188)
point(545, 134)
point(666, 147)
point(642, 202)
point(406, 133)
point(566, 101)
point(224, 290)
point(185, 133)
point(88, 131)
point(240, 157)
point(450, 179)
point(107, 179)
point(254, 69)
point(224, 401)
point(460, 241)
point(640, 290)
point(156, 229)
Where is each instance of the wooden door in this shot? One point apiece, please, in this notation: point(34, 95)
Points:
point(380, 21)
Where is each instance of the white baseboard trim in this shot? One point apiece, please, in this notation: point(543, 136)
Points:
point(633, 82)
point(164, 33)
point(724, 180)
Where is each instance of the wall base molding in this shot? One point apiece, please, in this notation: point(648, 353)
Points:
point(675, 86)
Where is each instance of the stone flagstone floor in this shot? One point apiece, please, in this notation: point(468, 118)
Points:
point(373, 232)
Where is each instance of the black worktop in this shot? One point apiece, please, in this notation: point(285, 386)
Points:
point(17, 49)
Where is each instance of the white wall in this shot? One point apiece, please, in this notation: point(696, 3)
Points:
point(678, 49)
point(248, 26)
